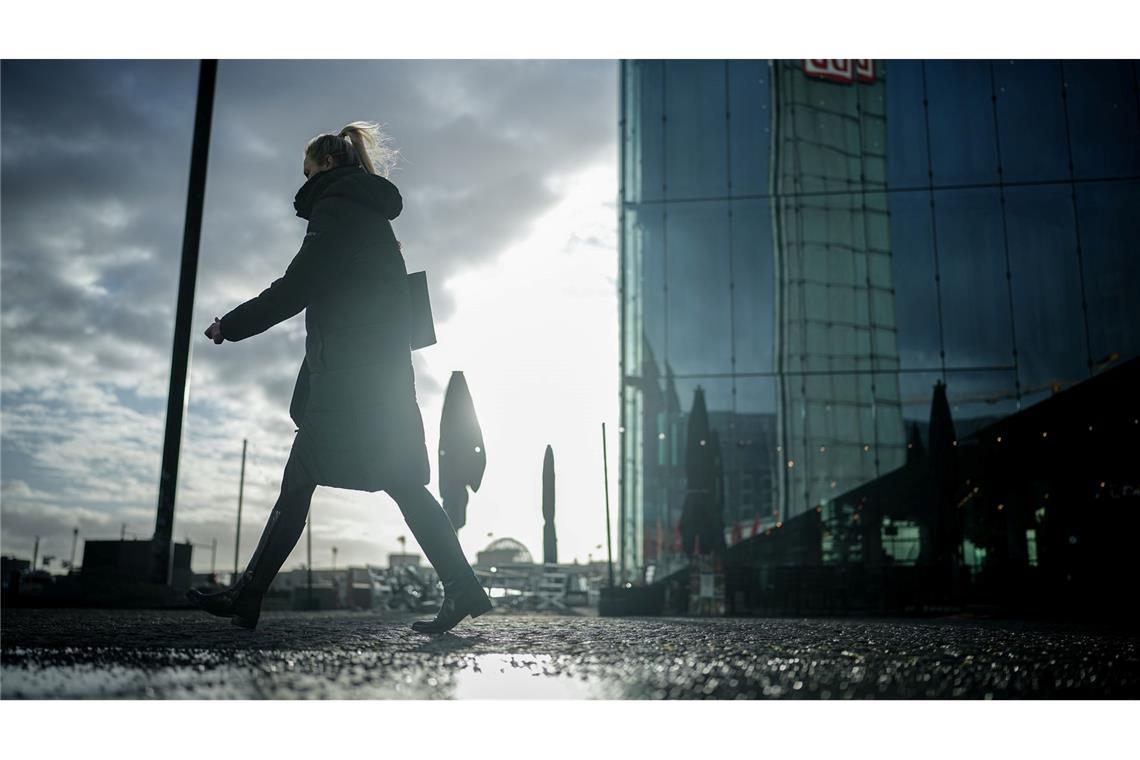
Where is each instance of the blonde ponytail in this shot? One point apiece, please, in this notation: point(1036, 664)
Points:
point(371, 145)
point(361, 142)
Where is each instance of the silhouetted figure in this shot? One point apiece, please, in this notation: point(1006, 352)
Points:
point(354, 404)
point(462, 456)
point(549, 537)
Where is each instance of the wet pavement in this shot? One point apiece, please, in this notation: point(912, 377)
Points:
point(103, 654)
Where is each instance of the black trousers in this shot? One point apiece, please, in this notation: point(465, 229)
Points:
point(423, 514)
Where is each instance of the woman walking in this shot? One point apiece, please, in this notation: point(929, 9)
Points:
point(354, 404)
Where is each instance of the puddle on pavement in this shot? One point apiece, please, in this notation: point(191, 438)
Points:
point(502, 676)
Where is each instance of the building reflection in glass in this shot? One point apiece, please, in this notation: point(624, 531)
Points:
point(817, 244)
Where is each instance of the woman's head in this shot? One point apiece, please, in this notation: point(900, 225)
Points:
point(359, 143)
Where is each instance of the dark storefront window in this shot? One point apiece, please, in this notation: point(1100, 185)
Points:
point(1031, 121)
point(699, 276)
point(1110, 254)
point(1046, 290)
point(962, 146)
point(1103, 118)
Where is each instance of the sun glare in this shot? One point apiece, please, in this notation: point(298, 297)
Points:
point(536, 334)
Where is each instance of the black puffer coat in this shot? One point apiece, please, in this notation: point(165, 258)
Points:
point(354, 404)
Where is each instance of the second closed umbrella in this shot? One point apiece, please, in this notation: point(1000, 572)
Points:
point(549, 537)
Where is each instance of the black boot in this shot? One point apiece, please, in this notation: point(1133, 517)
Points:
point(463, 595)
point(471, 600)
point(242, 607)
point(241, 602)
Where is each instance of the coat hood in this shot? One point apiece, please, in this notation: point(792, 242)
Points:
point(351, 183)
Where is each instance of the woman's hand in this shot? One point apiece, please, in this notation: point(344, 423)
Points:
point(214, 331)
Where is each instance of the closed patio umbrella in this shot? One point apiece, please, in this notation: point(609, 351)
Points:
point(462, 456)
point(701, 513)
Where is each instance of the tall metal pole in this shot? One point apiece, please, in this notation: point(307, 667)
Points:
point(213, 555)
point(161, 554)
point(309, 555)
point(74, 541)
point(623, 327)
point(606, 476)
point(36, 553)
point(241, 491)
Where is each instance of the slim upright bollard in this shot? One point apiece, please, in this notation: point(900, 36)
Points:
point(161, 554)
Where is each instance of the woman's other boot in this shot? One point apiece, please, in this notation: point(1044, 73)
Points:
point(463, 594)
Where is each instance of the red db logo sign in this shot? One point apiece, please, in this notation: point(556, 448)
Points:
point(845, 70)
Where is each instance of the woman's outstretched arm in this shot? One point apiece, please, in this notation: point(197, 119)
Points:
point(311, 269)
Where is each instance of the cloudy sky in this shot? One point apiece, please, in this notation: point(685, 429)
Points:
point(508, 171)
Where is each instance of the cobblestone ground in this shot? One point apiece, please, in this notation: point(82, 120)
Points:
point(182, 654)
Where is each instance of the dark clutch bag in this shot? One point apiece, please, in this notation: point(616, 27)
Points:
point(423, 328)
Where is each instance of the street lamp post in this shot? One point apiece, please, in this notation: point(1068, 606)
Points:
point(161, 554)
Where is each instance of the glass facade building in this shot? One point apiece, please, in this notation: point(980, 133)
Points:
point(816, 244)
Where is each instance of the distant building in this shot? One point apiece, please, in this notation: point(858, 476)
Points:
point(501, 552)
point(10, 566)
point(397, 561)
point(129, 562)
